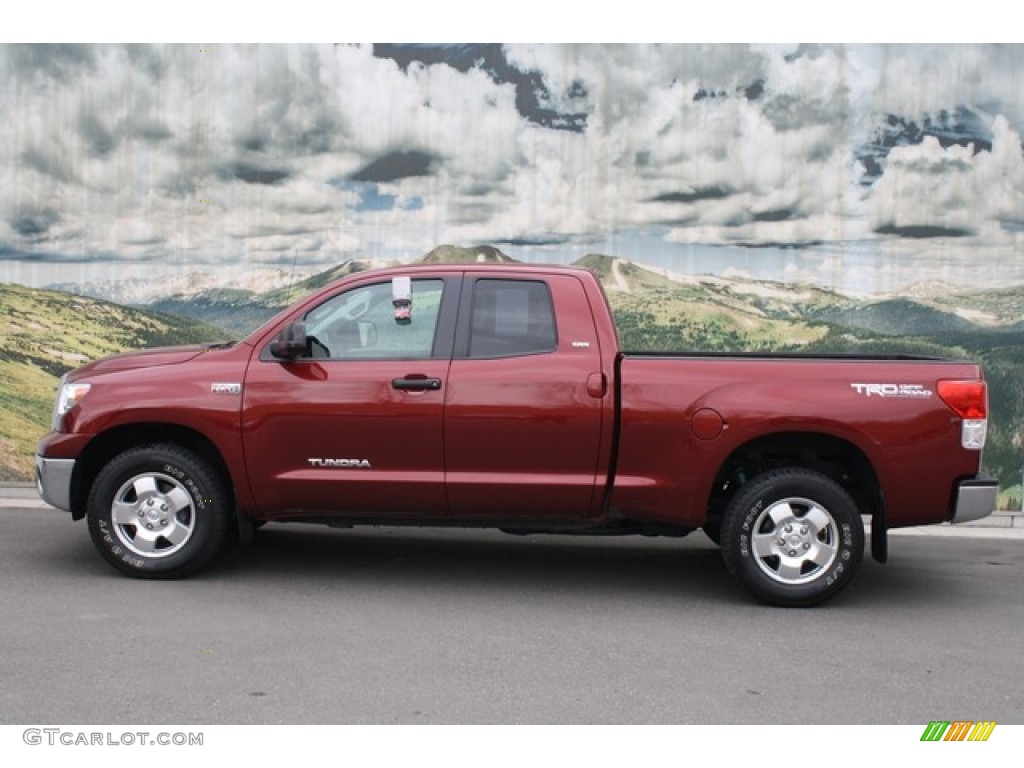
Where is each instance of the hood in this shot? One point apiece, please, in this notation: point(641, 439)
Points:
point(146, 358)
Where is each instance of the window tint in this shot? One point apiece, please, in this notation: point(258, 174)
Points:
point(361, 323)
point(511, 317)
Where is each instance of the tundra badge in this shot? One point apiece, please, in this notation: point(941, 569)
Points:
point(348, 463)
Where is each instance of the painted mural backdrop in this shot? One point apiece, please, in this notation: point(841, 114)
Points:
point(857, 197)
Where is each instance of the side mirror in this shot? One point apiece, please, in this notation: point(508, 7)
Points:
point(291, 343)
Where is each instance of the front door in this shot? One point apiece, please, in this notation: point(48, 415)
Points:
point(356, 426)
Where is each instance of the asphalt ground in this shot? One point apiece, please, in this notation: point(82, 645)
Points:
point(312, 625)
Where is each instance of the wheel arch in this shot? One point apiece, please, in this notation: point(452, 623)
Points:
point(107, 445)
point(835, 457)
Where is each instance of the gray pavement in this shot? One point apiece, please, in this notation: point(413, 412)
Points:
point(424, 626)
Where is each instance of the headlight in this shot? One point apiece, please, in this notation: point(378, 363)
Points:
point(67, 397)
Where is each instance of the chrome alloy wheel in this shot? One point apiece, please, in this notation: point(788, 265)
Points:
point(795, 540)
point(153, 515)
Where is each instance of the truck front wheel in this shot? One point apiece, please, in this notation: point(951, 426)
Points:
point(793, 537)
point(158, 511)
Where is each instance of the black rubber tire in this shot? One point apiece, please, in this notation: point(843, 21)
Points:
point(809, 561)
point(142, 481)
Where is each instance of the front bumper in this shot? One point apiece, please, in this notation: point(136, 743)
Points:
point(53, 481)
point(975, 499)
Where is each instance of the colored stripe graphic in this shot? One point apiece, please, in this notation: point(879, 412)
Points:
point(982, 731)
point(958, 730)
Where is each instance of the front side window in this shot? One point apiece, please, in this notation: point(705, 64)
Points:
point(364, 323)
point(511, 317)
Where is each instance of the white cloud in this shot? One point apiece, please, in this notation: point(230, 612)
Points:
point(954, 187)
point(227, 154)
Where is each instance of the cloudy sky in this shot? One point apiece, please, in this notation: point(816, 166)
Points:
point(862, 167)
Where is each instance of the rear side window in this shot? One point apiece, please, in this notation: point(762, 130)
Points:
point(511, 317)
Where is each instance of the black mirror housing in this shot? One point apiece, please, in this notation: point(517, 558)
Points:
point(291, 343)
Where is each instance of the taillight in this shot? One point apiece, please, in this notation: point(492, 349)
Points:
point(969, 400)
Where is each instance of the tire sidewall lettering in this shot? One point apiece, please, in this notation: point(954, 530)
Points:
point(198, 498)
point(117, 550)
point(746, 529)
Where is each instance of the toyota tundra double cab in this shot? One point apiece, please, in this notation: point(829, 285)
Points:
point(497, 396)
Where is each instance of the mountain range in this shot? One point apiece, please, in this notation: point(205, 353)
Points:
point(47, 332)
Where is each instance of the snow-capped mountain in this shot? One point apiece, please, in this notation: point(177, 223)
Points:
point(147, 290)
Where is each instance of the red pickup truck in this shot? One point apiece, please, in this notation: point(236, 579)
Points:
point(497, 396)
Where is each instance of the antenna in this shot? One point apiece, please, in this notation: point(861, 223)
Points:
point(291, 277)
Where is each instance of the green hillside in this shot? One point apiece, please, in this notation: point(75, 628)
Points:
point(277, 300)
point(45, 333)
point(622, 276)
point(478, 254)
point(235, 310)
point(896, 317)
point(660, 313)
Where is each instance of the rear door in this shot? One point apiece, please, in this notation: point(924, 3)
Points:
point(525, 400)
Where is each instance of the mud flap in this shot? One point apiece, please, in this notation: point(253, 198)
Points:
point(879, 538)
point(246, 530)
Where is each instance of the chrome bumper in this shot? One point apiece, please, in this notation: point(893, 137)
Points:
point(53, 481)
point(975, 499)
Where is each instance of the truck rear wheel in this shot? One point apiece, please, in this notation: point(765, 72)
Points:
point(157, 511)
point(793, 537)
